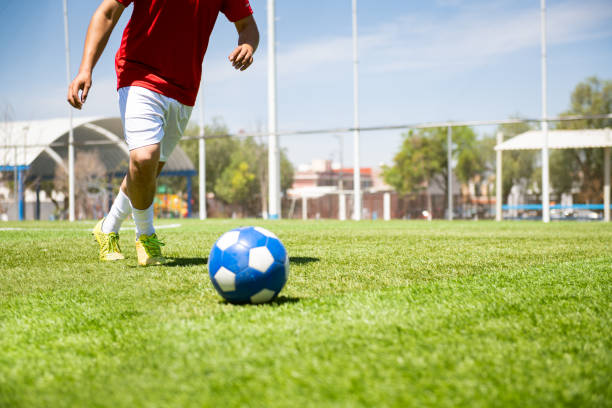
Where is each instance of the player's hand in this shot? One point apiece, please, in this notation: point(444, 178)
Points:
point(82, 84)
point(242, 57)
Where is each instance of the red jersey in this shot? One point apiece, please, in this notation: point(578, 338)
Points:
point(164, 43)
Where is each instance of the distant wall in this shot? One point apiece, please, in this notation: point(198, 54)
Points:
point(46, 210)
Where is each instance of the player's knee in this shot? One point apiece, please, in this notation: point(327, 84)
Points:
point(145, 162)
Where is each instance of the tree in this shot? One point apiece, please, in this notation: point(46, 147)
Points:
point(247, 175)
point(236, 169)
point(89, 181)
point(238, 182)
point(414, 165)
point(583, 168)
point(422, 160)
point(471, 158)
point(235, 182)
point(218, 152)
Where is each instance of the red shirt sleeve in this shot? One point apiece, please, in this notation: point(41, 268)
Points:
point(125, 2)
point(235, 10)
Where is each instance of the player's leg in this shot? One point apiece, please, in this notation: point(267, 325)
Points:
point(148, 246)
point(121, 207)
point(143, 114)
point(144, 117)
point(123, 187)
point(106, 230)
point(141, 185)
point(119, 211)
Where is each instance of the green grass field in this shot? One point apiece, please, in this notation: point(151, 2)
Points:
point(375, 314)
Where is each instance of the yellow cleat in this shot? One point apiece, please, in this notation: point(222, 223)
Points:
point(148, 248)
point(109, 243)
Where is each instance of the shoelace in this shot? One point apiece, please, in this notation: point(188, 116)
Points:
point(153, 245)
point(113, 243)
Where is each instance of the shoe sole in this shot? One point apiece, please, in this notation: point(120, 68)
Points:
point(150, 262)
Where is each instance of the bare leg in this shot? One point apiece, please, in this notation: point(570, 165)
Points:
point(121, 207)
point(141, 177)
point(160, 167)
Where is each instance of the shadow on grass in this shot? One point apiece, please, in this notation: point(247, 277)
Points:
point(280, 300)
point(186, 262)
point(302, 260)
point(174, 262)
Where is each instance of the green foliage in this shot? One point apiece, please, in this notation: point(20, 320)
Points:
point(414, 164)
point(234, 184)
point(583, 168)
point(393, 314)
point(236, 169)
point(287, 171)
point(468, 154)
point(422, 159)
point(218, 150)
point(237, 182)
point(590, 97)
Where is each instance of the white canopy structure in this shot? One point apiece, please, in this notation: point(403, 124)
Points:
point(558, 139)
point(36, 148)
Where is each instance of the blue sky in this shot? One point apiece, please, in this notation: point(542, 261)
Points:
point(419, 61)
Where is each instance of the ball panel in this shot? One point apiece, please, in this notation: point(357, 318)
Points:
point(226, 280)
point(214, 260)
point(276, 249)
point(236, 258)
point(249, 278)
point(276, 277)
point(251, 238)
point(265, 232)
point(228, 239)
point(260, 259)
point(236, 298)
point(264, 295)
point(248, 282)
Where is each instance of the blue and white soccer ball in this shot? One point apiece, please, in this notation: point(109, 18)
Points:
point(248, 265)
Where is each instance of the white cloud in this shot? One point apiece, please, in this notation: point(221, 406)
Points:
point(468, 38)
point(301, 58)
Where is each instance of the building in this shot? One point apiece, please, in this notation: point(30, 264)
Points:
point(322, 176)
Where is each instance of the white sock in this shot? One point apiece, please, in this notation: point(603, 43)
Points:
point(120, 209)
point(144, 221)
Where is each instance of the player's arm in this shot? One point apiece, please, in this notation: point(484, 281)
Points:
point(100, 27)
point(248, 40)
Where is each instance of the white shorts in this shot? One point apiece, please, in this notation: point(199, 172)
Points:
point(150, 118)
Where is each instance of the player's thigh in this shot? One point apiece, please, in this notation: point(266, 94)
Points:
point(143, 116)
point(176, 123)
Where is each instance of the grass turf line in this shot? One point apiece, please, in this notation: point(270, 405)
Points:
point(374, 314)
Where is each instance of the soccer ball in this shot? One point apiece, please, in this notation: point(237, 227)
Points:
point(248, 265)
